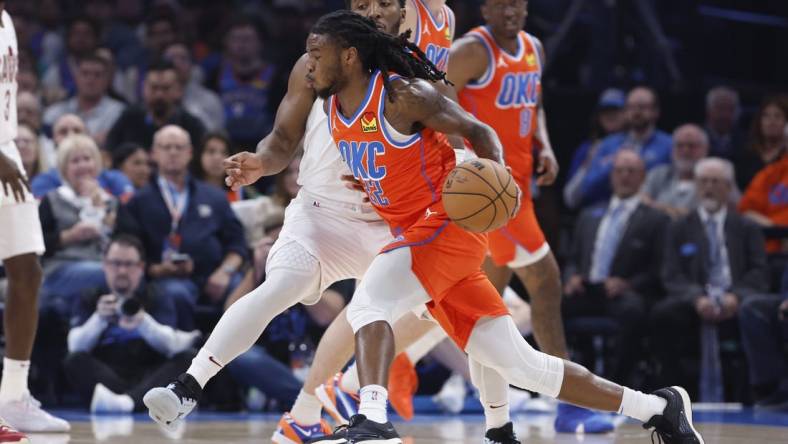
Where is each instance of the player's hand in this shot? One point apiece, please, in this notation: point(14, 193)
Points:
point(14, 182)
point(242, 169)
point(107, 307)
point(354, 184)
point(217, 285)
point(574, 285)
point(80, 232)
point(547, 169)
point(706, 309)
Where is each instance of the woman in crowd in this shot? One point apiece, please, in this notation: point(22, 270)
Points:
point(77, 219)
point(767, 143)
point(134, 162)
point(215, 148)
point(33, 159)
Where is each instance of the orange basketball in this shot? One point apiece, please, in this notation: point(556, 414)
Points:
point(480, 195)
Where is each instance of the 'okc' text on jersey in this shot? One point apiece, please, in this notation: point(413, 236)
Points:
point(438, 55)
point(518, 90)
point(360, 157)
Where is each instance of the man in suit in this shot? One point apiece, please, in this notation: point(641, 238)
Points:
point(714, 260)
point(614, 266)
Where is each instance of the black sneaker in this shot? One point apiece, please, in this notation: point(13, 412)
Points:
point(360, 430)
point(168, 405)
point(501, 435)
point(674, 425)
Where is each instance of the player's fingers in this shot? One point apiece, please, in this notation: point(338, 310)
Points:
point(19, 191)
point(5, 188)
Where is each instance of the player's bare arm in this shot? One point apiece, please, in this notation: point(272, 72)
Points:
point(418, 102)
point(276, 150)
point(14, 182)
point(467, 62)
point(547, 167)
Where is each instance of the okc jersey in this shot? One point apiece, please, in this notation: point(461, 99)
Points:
point(506, 97)
point(321, 165)
point(433, 39)
point(402, 174)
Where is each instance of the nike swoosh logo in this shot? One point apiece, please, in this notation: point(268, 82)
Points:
point(306, 433)
point(210, 358)
point(498, 406)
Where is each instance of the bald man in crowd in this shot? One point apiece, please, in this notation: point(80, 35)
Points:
point(194, 242)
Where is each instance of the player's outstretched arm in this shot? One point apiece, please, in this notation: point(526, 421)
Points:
point(276, 150)
point(417, 101)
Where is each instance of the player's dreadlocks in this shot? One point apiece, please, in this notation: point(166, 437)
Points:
point(377, 49)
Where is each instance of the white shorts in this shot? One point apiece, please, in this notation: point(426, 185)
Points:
point(342, 237)
point(21, 230)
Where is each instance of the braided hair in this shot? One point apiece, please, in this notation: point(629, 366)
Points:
point(379, 50)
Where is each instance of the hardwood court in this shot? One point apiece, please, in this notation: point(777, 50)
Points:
point(531, 429)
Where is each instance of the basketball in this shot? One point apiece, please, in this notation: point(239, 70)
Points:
point(480, 195)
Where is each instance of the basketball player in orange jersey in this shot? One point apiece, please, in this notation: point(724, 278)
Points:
point(497, 70)
point(388, 130)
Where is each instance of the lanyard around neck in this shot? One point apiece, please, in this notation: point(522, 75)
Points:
point(175, 201)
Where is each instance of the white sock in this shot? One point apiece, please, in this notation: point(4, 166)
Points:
point(373, 403)
point(425, 344)
point(306, 409)
point(641, 406)
point(13, 386)
point(205, 366)
point(349, 381)
point(496, 415)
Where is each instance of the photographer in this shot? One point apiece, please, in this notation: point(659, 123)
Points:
point(124, 343)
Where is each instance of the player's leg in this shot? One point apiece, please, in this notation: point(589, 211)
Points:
point(293, 275)
point(20, 240)
point(496, 343)
point(494, 397)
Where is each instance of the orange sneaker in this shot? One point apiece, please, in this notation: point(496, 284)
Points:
point(403, 383)
point(288, 431)
point(341, 405)
point(11, 436)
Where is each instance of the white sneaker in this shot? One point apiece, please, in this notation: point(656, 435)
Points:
point(106, 401)
point(27, 416)
point(451, 398)
point(169, 405)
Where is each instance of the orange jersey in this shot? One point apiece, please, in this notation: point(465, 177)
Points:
point(506, 97)
point(767, 194)
point(431, 38)
point(403, 175)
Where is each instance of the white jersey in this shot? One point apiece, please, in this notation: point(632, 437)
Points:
point(321, 164)
point(9, 61)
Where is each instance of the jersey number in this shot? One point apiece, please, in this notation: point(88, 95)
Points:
point(526, 117)
point(375, 193)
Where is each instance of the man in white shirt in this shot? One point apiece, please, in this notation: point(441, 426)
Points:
point(21, 241)
point(91, 101)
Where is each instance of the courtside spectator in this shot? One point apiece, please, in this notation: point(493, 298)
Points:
point(608, 118)
point(197, 99)
point(134, 162)
point(162, 94)
point(723, 110)
point(91, 102)
point(82, 38)
point(671, 188)
point(210, 168)
point(642, 136)
point(767, 141)
point(614, 267)
point(714, 261)
point(33, 159)
point(123, 342)
point(194, 242)
point(114, 182)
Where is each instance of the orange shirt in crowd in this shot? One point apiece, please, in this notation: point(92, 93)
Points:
point(767, 194)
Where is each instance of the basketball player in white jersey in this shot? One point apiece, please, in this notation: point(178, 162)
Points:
point(21, 241)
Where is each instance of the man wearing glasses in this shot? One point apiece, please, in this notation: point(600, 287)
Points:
point(124, 342)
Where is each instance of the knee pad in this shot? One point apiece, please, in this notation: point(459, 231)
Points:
point(294, 259)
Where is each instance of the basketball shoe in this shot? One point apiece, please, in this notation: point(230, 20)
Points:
point(341, 405)
point(361, 430)
point(674, 425)
point(501, 435)
point(289, 431)
point(26, 415)
point(403, 383)
point(11, 436)
point(169, 405)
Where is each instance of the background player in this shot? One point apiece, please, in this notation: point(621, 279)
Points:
point(497, 70)
point(21, 241)
point(433, 260)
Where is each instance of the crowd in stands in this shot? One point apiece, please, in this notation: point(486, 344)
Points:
point(679, 245)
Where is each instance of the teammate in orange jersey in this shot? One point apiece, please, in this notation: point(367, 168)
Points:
point(497, 70)
point(386, 129)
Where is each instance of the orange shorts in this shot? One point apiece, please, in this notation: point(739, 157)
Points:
point(447, 261)
point(522, 231)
